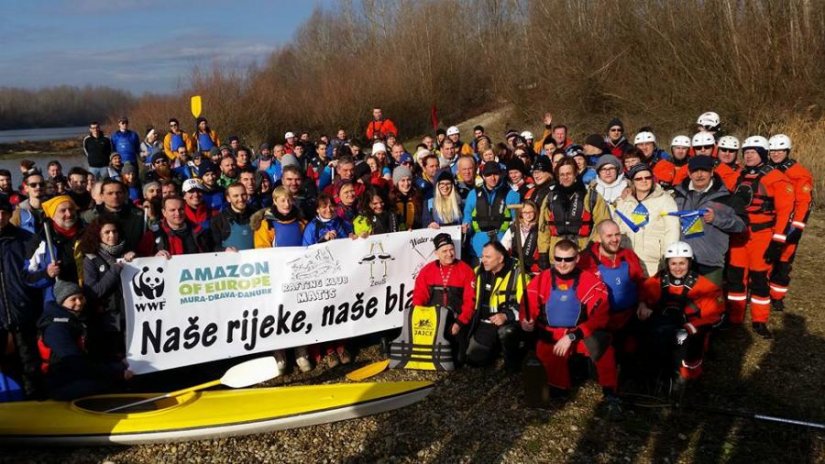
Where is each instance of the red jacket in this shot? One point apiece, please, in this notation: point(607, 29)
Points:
point(381, 129)
point(588, 262)
point(705, 301)
point(460, 280)
point(591, 291)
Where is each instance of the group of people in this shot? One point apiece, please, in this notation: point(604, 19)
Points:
point(622, 252)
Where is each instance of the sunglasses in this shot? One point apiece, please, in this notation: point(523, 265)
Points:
point(705, 147)
point(726, 150)
point(173, 125)
point(161, 162)
point(36, 184)
point(564, 259)
point(641, 178)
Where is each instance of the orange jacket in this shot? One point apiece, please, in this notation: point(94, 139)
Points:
point(728, 175)
point(703, 304)
point(772, 186)
point(167, 144)
point(381, 128)
point(803, 186)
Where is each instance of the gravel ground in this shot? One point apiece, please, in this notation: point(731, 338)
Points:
point(476, 415)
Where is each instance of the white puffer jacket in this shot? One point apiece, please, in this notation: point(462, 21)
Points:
point(661, 230)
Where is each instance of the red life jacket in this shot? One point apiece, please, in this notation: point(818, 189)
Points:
point(46, 352)
point(577, 222)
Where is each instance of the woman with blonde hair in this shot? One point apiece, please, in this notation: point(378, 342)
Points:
point(446, 207)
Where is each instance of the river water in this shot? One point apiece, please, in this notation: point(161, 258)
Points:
point(43, 135)
point(68, 160)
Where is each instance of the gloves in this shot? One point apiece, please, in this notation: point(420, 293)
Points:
point(544, 261)
point(773, 252)
point(793, 235)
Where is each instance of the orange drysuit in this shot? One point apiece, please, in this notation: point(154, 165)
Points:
point(751, 252)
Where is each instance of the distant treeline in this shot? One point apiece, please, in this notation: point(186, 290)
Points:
point(60, 106)
point(658, 63)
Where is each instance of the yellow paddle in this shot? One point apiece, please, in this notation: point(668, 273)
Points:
point(195, 106)
point(242, 375)
point(368, 371)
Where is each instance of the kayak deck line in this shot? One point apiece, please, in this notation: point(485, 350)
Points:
point(407, 393)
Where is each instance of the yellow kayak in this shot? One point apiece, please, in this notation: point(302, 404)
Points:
point(199, 415)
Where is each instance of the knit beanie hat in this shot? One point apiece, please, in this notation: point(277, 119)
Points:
point(50, 206)
point(399, 173)
point(637, 168)
point(611, 160)
point(64, 289)
point(615, 122)
point(128, 168)
point(290, 160)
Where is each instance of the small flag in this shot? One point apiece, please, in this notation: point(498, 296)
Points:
point(639, 218)
point(691, 222)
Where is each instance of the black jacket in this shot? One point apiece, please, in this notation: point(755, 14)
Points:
point(19, 304)
point(97, 150)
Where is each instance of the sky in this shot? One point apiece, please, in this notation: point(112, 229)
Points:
point(137, 45)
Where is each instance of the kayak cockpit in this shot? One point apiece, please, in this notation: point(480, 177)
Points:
point(101, 404)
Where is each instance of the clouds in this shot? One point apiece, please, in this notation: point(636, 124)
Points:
point(138, 45)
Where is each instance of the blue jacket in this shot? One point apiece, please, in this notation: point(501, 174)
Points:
point(315, 230)
point(127, 144)
point(19, 303)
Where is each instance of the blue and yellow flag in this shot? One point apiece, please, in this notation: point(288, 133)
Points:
point(639, 217)
point(691, 222)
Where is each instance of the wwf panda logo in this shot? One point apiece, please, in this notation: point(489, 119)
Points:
point(149, 283)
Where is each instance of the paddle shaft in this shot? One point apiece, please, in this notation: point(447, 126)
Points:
point(167, 395)
point(196, 112)
point(517, 239)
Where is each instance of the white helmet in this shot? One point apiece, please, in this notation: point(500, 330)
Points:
point(756, 141)
point(452, 130)
point(703, 139)
point(679, 250)
point(779, 142)
point(729, 142)
point(680, 141)
point(644, 137)
point(709, 119)
point(527, 135)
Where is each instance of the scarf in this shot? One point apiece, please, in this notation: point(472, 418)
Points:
point(112, 251)
point(71, 232)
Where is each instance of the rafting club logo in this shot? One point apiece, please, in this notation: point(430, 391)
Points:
point(377, 257)
point(149, 283)
point(425, 255)
point(320, 262)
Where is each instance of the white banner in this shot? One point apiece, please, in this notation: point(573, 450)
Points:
point(199, 308)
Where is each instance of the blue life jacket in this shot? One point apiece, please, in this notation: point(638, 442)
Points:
point(622, 291)
point(177, 142)
point(563, 309)
point(205, 142)
point(240, 237)
point(287, 234)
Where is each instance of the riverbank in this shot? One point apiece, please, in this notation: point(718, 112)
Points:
point(39, 148)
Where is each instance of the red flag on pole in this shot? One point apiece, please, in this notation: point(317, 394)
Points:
point(434, 117)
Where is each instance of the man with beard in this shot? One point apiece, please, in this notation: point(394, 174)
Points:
point(570, 211)
point(620, 270)
point(49, 262)
point(29, 213)
point(230, 229)
point(229, 172)
point(116, 204)
point(174, 235)
point(161, 170)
